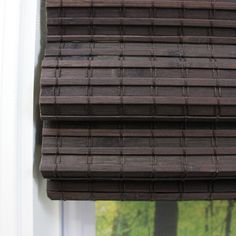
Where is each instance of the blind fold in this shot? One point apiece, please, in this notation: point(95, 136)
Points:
point(141, 190)
point(139, 94)
point(139, 150)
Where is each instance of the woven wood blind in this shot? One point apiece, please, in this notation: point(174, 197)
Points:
point(138, 100)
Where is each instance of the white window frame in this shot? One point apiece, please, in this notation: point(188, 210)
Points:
point(25, 208)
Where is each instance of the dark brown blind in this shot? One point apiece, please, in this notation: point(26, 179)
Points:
point(141, 190)
point(139, 94)
point(139, 150)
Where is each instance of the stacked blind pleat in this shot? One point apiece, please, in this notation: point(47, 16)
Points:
point(138, 100)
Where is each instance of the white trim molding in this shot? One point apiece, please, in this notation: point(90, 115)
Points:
point(25, 208)
point(17, 63)
point(9, 42)
point(79, 218)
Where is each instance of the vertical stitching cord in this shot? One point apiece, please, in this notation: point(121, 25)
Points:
point(155, 62)
point(89, 151)
point(122, 15)
point(184, 158)
point(153, 59)
point(152, 126)
point(90, 58)
point(57, 91)
point(89, 160)
point(184, 65)
point(211, 62)
point(89, 73)
point(122, 158)
point(89, 94)
point(215, 157)
point(91, 21)
point(153, 86)
point(217, 93)
point(185, 96)
point(58, 88)
point(62, 187)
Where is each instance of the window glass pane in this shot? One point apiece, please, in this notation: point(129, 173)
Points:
point(201, 218)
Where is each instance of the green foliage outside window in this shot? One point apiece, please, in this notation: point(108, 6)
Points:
point(192, 218)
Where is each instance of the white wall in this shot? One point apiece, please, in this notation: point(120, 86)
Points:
point(25, 209)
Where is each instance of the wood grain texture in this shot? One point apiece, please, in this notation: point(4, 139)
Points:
point(138, 100)
point(88, 46)
point(222, 4)
point(138, 150)
point(141, 190)
point(142, 39)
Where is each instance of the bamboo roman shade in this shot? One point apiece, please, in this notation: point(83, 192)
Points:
point(138, 100)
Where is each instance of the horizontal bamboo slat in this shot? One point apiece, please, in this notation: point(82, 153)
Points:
point(139, 38)
point(153, 50)
point(142, 190)
point(142, 21)
point(221, 4)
